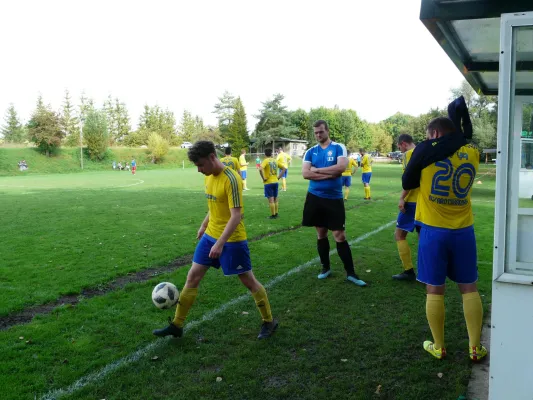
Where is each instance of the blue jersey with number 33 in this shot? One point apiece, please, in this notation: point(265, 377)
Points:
point(445, 187)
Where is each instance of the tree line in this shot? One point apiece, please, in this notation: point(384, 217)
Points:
point(158, 128)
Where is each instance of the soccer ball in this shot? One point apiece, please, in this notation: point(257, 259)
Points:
point(165, 295)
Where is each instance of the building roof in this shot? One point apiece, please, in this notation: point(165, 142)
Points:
point(469, 32)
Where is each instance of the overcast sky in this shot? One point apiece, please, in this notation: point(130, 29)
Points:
point(375, 57)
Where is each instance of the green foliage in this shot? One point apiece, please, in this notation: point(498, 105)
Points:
point(95, 134)
point(44, 129)
point(224, 109)
point(273, 122)
point(187, 127)
point(381, 140)
point(13, 131)
point(69, 122)
point(156, 120)
point(299, 119)
point(157, 146)
point(238, 130)
point(86, 106)
point(118, 120)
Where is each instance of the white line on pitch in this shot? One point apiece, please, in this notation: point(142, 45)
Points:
point(135, 356)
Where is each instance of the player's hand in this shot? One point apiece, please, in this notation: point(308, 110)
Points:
point(314, 169)
point(216, 250)
point(200, 233)
point(401, 205)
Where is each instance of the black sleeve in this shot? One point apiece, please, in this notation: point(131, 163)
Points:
point(427, 153)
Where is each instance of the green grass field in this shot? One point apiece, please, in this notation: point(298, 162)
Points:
point(68, 234)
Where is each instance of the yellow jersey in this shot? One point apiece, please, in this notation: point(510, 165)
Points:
point(413, 194)
point(223, 192)
point(284, 158)
point(269, 166)
point(231, 162)
point(366, 163)
point(243, 163)
point(349, 171)
point(445, 188)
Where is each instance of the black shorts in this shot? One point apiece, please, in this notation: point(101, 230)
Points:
point(324, 213)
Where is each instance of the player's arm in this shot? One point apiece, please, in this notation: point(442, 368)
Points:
point(401, 204)
point(335, 170)
point(313, 176)
point(232, 224)
point(203, 227)
point(282, 170)
point(262, 174)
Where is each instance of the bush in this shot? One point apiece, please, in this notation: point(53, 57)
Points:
point(157, 146)
point(96, 135)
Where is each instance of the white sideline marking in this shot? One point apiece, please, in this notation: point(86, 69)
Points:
point(132, 184)
point(134, 357)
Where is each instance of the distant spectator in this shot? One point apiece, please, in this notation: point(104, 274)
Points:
point(127, 166)
point(22, 165)
point(114, 165)
point(133, 166)
point(120, 166)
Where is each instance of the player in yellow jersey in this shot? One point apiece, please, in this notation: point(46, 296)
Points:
point(230, 161)
point(347, 176)
point(366, 164)
point(269, 174)
point(447, 246)
point(244, 168)
point(285, 160)
point(222, 241)
point(406, 217)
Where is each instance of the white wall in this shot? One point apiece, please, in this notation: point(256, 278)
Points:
point(525, 188)
point(511, 342)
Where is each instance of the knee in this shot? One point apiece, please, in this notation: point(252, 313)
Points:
point(193, 280)
point(339, 236)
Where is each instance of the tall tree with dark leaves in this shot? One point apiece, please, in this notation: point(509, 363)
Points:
point(111, 119)
point(224, 109)
point(122, 119)
point(86, 105)
point(96, 134)
point(299, 119)
point(12, 130)
point(69, 122)
point(273, 122)
point(44, 129)
point(238, 130)
point(187, 127)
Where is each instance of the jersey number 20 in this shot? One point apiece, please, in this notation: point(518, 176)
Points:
point(447, 178)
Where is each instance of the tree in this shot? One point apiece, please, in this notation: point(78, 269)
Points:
point(157, 146)
point(210, 133)
point(13, 131)
point(187, 127)
point(299, 119)
point(96, 134)
point(381, 140)
point(69, 122)
point(44, 129)
point(238, 130)
point(273, 122)
point(86, 106)
point(156, 120)
point(122, 121)
point(224, 109)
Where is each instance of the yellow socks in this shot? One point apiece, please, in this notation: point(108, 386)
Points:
point(367, 192)
point(284, 183)
point(435, 316)
point(473, 310)
point(187, 297)
point(272, 208)
point(346, 193)
point(277, 206)
point(405, 254)
point(244, 184)
point(261, 301)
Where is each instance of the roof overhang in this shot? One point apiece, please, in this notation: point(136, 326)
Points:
point(469, 32)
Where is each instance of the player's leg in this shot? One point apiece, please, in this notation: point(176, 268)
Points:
point(322, 245)
point(284, 180)
point(275, 188)
point(463, 270)
point(235, 260)
point(432, 269)
point(365, 180)
point(346, 182)
point(315, 215)
point(243, 176)
point(405, 224)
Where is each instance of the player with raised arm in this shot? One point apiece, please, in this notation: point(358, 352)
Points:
point(222, 241)
point(323, 166)
point(269, 175)
point(444, 168)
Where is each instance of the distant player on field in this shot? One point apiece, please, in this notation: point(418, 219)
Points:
point(285, 160)
point(230, 161)
point(366, 163)
point(406, 217)
point(222, 240)
point(447, 246)
point(244, 168)
point(269, 174)
point(323, 166)
point(347, 176)
point(133, 166)
point(258, 162)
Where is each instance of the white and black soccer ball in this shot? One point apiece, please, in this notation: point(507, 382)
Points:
point(165, 295)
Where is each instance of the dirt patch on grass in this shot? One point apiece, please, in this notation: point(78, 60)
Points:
point(26, 315)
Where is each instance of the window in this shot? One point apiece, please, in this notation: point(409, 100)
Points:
point(527, 154)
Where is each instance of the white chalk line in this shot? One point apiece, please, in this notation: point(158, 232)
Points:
point(55, 189)
point(135, 356)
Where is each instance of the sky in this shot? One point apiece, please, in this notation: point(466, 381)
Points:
point(375, 57)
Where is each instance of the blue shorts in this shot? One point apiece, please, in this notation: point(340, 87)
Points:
point(271, 190)
point(346, 181)
point(406, 221)
point(447, 253)
point(365, 177)
point(235, 257)
point(285, 173)
point(243, 174)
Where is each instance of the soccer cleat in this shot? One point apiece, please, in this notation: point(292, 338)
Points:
point(268, 329)
point(171, 329)
point(437, 353)
point(324, 274)
point(272, 217)
point(408, 275)
point(477, 353)
point(355, 279)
